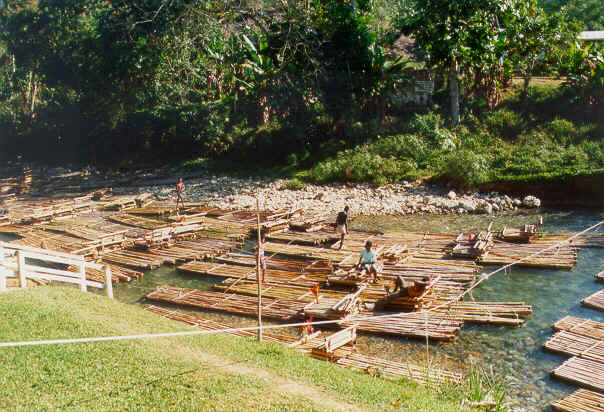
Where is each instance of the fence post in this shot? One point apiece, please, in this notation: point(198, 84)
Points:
point(2, 273)
point(21, 267)
point(108, 284)
point(83, 277)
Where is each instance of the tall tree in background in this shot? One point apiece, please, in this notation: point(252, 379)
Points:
point(471, 37)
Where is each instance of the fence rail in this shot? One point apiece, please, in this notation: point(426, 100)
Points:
point(31, 269)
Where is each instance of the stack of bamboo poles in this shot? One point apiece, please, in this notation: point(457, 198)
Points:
point(49, 240)
point(562, 257)
point(225, 226)
point(304, 223)
point(583, 372)
point(581, 400)
point(304, 238)
point(595, 301)
point(137, 221)
point(496, 313)
point(133, 259)
point(278, 309)
point(437, 326)
point(423, 375)
point(126, 202)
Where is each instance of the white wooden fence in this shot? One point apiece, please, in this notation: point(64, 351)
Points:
point(24, 268)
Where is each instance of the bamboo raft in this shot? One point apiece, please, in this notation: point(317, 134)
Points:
point(307, 252)
point(588, 240)
point(126, 202)
point(423, 375)
point(583, 372)
point(435, 326)
point(595, 301)
point(318, 267)
point(278, 309)
point(277, 290)
point(495, 313)
point(581, 400)
point(585, 327)
point(133, 259)
point(572, 344)
point(563, 257)
point(137, 221)
point(249, 272)
point(350, 359)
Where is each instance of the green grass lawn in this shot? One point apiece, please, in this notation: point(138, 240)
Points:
point(185, 373)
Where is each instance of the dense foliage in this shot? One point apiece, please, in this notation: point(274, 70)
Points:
point(286, 83)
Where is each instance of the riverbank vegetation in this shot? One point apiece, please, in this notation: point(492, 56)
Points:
point(324, 90)
point(188, 373)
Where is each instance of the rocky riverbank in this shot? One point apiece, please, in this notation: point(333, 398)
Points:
point(395, 199)
point(231, 192)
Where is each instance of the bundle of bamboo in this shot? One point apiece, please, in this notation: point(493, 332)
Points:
point(587, 240)
point(435, 326)
point(581, 400)
point(595, 301)
point(278, 291)
point(583, 372)
point(279, 309)
point(304, 238)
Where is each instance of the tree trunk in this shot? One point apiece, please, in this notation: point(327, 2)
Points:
point(454, 89)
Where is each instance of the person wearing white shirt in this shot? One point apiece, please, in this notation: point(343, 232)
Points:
point(367, 260)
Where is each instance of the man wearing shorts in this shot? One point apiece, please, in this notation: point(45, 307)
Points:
point(367, 260)
point(342, 225)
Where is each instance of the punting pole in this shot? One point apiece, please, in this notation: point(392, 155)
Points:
point(258, 267)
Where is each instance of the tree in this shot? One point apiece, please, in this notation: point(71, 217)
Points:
point(471, 37)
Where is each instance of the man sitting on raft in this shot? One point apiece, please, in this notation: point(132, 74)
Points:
point(367, 260)
point(409, 288)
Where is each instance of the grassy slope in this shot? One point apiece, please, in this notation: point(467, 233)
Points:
point(164, 374)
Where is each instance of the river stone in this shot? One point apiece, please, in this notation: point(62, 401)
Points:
point(531, 201)
point(452, 195)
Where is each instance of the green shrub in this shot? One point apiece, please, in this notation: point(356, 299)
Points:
point(431, 127)
point(294, 184)
point(505, 123)
point(563, 130)
point(361, 165)
point(465, 168)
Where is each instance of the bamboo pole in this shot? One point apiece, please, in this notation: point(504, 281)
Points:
point(258, 267)
point(21, 267)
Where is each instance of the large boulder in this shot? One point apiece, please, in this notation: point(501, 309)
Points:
point(531, 201)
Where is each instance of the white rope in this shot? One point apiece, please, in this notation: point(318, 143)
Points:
point(297, 324)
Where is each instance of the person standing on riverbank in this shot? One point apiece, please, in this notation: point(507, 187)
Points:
point(342, 225)
point(180, 193)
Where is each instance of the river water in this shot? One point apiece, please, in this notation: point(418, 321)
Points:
point(513, 353)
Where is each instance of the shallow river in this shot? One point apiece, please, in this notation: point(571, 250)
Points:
point(514, 353)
